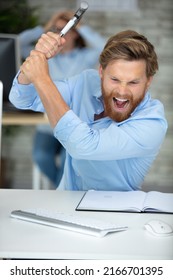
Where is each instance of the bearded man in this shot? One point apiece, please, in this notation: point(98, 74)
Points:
point(106, 120)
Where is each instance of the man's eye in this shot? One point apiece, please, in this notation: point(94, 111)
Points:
point(115, 80)
point(134, 82)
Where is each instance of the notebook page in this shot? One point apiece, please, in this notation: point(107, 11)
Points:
point(112, 201)
point(159, 202)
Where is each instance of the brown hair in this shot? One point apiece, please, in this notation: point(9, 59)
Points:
point(130, 45)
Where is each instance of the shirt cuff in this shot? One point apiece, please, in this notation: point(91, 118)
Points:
point(19, 90)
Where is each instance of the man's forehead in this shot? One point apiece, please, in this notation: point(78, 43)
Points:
point(126, 70)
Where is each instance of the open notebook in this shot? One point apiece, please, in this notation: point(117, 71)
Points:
point(131, 201)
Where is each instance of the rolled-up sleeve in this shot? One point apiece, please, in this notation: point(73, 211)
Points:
point(25, 97)
point(111, 143)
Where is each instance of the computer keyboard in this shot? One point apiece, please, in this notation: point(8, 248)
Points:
point(81, 224)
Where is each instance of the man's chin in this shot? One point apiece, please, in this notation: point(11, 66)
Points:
point(118, 116)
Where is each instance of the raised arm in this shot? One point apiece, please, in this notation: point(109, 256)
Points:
point(35, 70)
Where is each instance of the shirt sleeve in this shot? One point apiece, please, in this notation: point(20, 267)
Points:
point(25, 97)
point(95, 44)
point(130, 140)
point(93, 38)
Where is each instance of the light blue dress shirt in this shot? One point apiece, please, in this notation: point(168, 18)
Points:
point(102, 154)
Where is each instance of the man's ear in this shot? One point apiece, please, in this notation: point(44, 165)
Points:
point(100, 71)
point(150, 79)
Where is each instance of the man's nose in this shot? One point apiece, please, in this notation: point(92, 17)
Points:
point(122, 88)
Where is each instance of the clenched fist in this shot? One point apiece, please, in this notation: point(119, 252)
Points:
point(50, 44)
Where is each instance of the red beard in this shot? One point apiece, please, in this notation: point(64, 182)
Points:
point(124, 109)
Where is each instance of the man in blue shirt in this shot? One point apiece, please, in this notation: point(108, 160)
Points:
point(81, 52)
point(107, 121)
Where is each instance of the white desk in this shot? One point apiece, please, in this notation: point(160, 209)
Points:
point(19, 239)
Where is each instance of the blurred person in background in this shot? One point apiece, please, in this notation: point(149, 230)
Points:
point(81, 51)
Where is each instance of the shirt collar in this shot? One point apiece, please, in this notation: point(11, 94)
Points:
point(142, 103)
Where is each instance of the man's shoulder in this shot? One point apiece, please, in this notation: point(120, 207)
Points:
point(91, 82)
point(88, 78)
point(90, 73)
point(88, 81)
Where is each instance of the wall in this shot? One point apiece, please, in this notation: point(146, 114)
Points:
point(155, 20)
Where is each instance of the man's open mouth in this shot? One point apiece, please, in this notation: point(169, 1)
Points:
point(120, 103)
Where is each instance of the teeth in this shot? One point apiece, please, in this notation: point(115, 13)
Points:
point(121, 100)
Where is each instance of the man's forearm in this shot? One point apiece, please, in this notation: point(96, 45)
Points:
point(22, 79)
point(54, 104)
point(35, 70)
point(51, 98)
